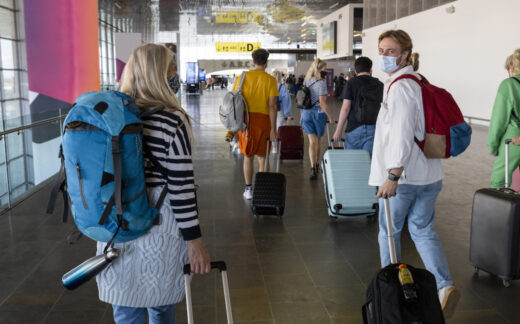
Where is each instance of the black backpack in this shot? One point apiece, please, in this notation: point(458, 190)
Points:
point(304, 98)
point(386, 302)
point(368, 102)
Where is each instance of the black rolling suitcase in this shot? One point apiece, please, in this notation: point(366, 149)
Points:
point(386, 302)
point(495, 230)
point(269, 189)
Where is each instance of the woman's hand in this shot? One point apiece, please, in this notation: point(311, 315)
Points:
point(388, 189)
point(200, 262)
point(516, 140)
point(337, 135)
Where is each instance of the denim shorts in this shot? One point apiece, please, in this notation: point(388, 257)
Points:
point(314, 121)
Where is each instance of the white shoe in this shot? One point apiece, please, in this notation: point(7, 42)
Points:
point(248, 193)
point(449, 296)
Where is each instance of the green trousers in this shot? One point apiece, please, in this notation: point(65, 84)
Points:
point(498, 176)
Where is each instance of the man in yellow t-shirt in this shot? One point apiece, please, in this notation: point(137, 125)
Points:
point(261, 93)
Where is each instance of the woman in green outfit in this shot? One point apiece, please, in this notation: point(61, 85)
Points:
point(505, 122)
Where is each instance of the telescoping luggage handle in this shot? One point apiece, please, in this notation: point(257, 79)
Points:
point(278, 153)
point(390, 231)
point(507, 141)
point(331, 140)
point(220, 265)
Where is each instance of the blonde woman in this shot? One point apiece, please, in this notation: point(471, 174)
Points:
point(412, 197)
point(146, 282)
point(315, 119)
point(505, 122)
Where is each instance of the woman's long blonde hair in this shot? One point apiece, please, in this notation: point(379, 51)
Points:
point(145, 78)
point(314, 69)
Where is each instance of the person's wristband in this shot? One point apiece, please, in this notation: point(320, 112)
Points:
point(392, 177)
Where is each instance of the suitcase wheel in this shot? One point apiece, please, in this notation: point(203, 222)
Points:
point(375, 215)
point(475, 270)
point(506, 282)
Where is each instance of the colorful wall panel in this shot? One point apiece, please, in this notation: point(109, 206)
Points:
point(62, 47)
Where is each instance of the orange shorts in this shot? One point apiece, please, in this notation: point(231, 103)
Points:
point(256, 141)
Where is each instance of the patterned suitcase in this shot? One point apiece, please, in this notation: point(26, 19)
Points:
point(269, 189)
point(345, 179)
point(292, 138)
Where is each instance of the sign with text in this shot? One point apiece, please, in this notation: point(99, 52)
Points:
point(238, 17)
point(329, 44)
point(236, 47)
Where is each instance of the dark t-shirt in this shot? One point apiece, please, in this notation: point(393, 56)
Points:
point(351, 92)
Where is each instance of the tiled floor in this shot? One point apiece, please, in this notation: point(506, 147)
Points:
point(297, 270)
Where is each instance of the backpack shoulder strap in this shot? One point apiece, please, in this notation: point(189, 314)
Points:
point(60, 185)
point(406, 76)
point(242, 78)
point(412, 77)
point(515, 79)
point(310, 85)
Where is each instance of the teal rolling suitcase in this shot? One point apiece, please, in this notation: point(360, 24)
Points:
point(345, 179)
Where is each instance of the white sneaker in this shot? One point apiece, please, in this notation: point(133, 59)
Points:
point(449, 296)
point(248, 193)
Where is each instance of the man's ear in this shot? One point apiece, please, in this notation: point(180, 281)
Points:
point(404, 55)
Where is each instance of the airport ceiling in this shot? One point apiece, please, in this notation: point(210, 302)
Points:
point(293, 20)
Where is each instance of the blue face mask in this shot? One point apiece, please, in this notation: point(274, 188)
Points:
point(387, 64)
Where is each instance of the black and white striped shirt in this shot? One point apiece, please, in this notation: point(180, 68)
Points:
point(166, 134)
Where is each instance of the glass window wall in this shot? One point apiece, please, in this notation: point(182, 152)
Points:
point(15, 148)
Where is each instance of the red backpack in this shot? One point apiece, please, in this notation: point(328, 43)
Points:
point(447, 134)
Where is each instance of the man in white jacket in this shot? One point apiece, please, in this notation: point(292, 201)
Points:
point(402, 171)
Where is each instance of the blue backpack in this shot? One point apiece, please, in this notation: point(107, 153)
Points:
point(102, 169)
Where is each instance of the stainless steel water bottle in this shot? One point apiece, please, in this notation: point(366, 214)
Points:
point(88, 269)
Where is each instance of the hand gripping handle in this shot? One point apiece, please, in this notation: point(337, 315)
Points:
point(331, 140)
point(221, 265)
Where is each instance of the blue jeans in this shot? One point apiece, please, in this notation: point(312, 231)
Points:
point(418, 202)
point(361, 138)
point(138, 315)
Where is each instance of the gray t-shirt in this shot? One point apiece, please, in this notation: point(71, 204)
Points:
point(317, 88)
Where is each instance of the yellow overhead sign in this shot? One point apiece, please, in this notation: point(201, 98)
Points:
point(238, 17)
point(226, 47)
